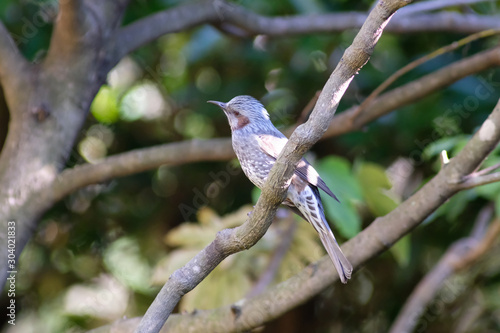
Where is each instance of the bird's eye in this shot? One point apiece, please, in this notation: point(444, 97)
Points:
point(236, 113)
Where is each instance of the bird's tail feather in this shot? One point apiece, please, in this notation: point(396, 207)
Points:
point(313, 211)
point(343, 266)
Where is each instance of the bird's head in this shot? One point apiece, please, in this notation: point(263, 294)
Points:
point(242, 111)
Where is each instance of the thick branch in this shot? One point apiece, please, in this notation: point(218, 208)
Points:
point(140, 160)
point(274, 191)
point(71, 25)
point(152, 27)
point(82, 26)
point(373, 240)
point(71, 17)
point(13, 66)
point(189, 15)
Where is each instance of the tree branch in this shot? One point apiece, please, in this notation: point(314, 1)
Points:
point(373, 240)
point(82, 26)
point(71, 18)
point(349, 120)
point(140, 160)
point(460, 254)
point(445, 21)
point(427, 6)
point(70, 27)
point(13, 66)
point(485, 170)
point(219, 12)
point(274, 191)
point(475, 181)
point(285, 240)
point(414, 64)
point(156, 25)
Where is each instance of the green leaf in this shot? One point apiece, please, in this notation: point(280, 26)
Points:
point(105, 106)
point(497, 206)
point(375, 186)
point(255, 194)
point(190, 234)
point(124, 260)
point(491, 297)
point(336, 172)
point(447, 143)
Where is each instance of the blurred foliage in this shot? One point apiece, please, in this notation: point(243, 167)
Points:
point(337, 170)
point(239, 272)
point(101, 253)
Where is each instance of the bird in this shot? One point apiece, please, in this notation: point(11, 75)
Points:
point(257, 144)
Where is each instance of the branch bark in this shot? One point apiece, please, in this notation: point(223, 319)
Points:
point(445, 21)
point(140, 160)
point(460, 255)
point(349, 120)
point(475, 181)
point(285, 240)
point(274, 191)
point(427, 6)
point(73, 24)
point(414, 64)
point(219, 12)
point(14, 69)
point(375, 239)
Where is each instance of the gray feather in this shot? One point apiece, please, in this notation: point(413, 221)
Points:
point(312, 208)
point(272, 145)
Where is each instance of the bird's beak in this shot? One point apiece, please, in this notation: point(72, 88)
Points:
point(219, 104)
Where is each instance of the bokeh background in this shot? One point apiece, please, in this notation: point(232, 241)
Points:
point(104, 251)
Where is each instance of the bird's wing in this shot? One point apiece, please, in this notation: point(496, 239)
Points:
point(307, 172)
point(272, 146)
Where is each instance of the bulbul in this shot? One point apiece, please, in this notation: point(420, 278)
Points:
point(257, 144)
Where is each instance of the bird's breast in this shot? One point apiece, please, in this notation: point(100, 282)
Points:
point(255, 163)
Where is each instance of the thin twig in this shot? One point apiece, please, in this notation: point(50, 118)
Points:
point(412, 65)
point(415, 90)
point(490, 237)
point(484, 171)
point(460, 254)
point(286, 238)
point(475, 181)
point(219, 12)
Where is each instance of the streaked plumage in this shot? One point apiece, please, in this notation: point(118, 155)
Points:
point(257, 144)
